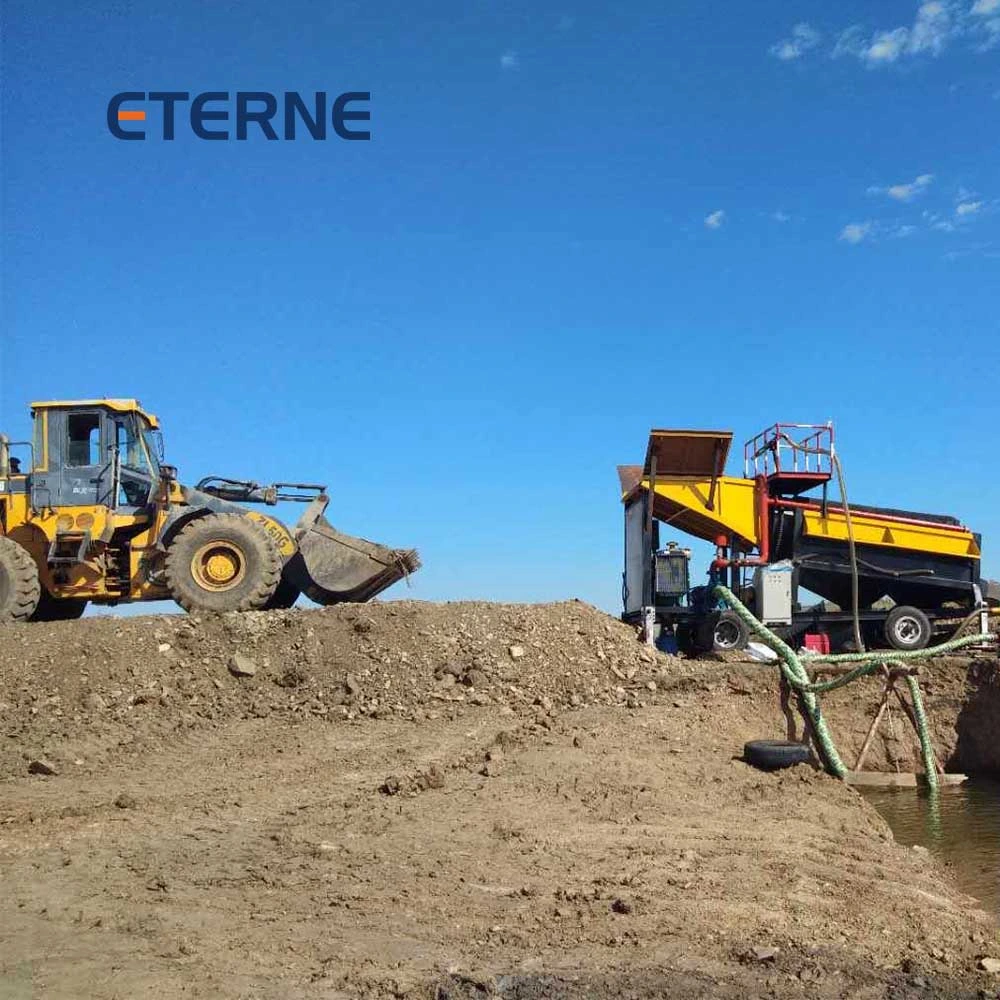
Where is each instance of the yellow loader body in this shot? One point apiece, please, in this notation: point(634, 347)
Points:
point(103, 520)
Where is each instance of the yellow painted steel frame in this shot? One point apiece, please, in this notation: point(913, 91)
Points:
point(870, 529)
point(117, 405)
point(683, 502)
point(686, 499)
point(36, 530)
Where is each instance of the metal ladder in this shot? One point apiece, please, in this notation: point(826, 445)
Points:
point(69, 548)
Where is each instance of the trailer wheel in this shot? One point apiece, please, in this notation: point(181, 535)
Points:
point(19, 586)
point(724, 632)
point(222, 562)
point(907, 628)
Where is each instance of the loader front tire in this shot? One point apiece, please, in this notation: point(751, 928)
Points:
point(19, 586)
point(223, 562)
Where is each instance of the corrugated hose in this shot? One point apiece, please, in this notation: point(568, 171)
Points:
point(793, 667)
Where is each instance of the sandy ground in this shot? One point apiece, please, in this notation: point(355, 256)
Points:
point(438, 801)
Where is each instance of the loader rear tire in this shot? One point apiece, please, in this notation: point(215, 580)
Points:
point(19, 586)
point(223, 562)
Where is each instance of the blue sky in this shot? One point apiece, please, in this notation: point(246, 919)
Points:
point(573, 222)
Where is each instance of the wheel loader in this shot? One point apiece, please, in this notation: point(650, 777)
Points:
point(96, 516)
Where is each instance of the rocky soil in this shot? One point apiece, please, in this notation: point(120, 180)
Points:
point(466, 800)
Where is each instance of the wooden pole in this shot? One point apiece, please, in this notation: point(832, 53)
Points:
point(882, 705)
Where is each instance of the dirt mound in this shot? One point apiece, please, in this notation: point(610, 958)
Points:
point(417, 800)
point(72, 690)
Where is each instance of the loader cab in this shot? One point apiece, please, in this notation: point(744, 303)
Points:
point(94, 453)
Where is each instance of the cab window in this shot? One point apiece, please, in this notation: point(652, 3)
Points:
point(130, 449)
point(83, 431)
point(38, 439)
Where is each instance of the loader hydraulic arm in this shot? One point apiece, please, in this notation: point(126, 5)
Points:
point(246, 491)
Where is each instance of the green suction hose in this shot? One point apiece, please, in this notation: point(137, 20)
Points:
point(794, 670)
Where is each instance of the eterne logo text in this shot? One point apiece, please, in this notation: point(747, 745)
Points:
point(218, 115)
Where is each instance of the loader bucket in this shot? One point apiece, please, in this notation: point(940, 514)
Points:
point(331, 567)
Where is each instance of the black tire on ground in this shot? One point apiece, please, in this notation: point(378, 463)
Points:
point(907, 628)
point(770, 755)
point(284, 597)
point(19, 586)
point(51, 609)
point(222, 562)
point(723, 632)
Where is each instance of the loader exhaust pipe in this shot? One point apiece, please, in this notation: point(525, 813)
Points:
point(332, 568)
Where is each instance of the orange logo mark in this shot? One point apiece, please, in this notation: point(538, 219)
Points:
point(131, 116)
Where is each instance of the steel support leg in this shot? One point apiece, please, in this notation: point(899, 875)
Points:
point(649, 626)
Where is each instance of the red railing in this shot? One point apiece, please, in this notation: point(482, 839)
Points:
point(789, 448)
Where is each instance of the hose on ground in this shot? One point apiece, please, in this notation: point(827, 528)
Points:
point(884, 656)
point(794, 670)
point(797, 677)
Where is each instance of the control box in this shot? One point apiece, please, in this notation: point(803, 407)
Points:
point(773, 589)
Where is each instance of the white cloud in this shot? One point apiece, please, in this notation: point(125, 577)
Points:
point(780, 216)
point(937, 24)
point(857, 232)
point(850, 42)
point(715, 220)
point(880, 49)
point(932, 29)
point(905, 192)
point(938, 222)
point(988, 33)
point(509, 60)
point(803, 38)
point(966, 208)
point(885, 47)
point(985, 19)
point(973, 249)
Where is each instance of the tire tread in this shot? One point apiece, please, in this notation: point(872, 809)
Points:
point(27, 589)
point(179, 577)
